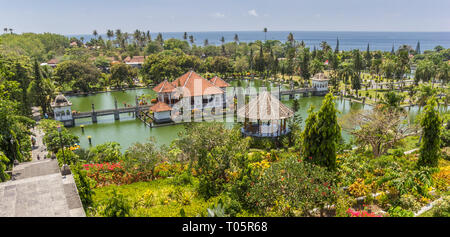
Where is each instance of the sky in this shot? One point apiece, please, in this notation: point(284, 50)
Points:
point(84, 16)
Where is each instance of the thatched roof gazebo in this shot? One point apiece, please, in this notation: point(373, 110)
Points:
point(265, 116)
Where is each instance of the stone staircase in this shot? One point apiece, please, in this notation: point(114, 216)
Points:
point(38, 189)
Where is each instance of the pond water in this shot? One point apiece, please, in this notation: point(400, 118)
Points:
point(129, 130)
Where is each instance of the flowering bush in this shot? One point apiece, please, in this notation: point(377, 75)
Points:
point(166, 169)
point(363, 213)
point(359, 188)
point(114, 173)
point(291, 188)
point(442, 178)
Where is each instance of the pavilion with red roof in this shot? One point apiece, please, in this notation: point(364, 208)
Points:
point(190, 89)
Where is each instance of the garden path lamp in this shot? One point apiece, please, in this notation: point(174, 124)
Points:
point(60, 141)
point(15, 162)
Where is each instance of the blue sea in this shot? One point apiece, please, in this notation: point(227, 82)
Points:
point(348, 40)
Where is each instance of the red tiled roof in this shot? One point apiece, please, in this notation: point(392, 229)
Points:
point(160, 107)
point(219, 82)
point(53, 61)
point(164, 86)
point(190, 80)
point(135, 59)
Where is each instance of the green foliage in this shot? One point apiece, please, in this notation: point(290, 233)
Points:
point(77, 75)
point(216, 210)
point(431, 129)
point(122, 73)
point(3, 165)
point(116, 206)
point(68, 157)
point(322, 134)
point(84, 184)
point(399, 212)
point(392, 99)
point(442, 208)
point(38, 46)
point(52, 138)
point(143, 157)
point(106, 152)
point(293, 187)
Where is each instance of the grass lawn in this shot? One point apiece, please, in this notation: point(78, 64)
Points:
point(159, 198)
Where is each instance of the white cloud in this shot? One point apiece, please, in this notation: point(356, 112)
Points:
point(252, 12)
point(218, 15)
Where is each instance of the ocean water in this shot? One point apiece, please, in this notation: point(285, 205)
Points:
point(348, 40)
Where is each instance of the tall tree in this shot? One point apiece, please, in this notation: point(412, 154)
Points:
point(431, 131)
point(291, 39)
point(110, 34)
point(418, 47)
point(322, 134)
point(185, 36)
point(265, 33)
point(38, 89)
point(236, 38)
point(304, 64)
point(368, 57)
point(336, 50)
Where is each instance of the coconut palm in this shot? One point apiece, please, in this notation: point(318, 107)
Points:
point(110, 34)
point(205, 42)
point(424, 93)
point(325, 46)
point(95, 34)
point(265, 33)
point(191, 39)
point(185, 36)
point(425, 71)
point(442, 73)
point(236, 38)
point(290, 38)
point(346, 72)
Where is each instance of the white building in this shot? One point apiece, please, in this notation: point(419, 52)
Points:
point(320, 83)
point(189, 91)
point(62, 109)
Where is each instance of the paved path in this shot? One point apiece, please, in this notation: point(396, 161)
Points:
point(39, 149)
point(39, 190)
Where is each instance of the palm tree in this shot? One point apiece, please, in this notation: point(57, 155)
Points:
point(206, 42)
point(191, 39)
point(290, 38)
point(10, 30)
point(95, 34)
point(185, 36)
point(5, 30)
point(425, 71)
point(424, 93)
point(265, 33)
point(325, 47)
point(110, 34)
point(236, 38)
point(222, 40)
point(346, 72)
point(442, 73)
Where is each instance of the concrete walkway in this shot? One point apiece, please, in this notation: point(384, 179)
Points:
point(39, 190)
point(39, 149)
